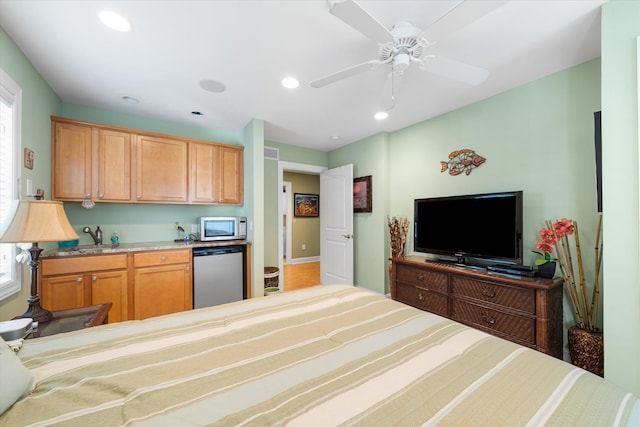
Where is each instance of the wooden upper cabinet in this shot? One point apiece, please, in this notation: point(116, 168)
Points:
point(230, 176)
point(112, 154)
point(161, 170)
point(216, 174)
point(111, 164)
point(72, 150)
point(203, 169)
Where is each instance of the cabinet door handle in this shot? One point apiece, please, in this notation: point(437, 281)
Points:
point(87, 195)
point(186, 269)
point(100, 196)
point(489, 293)
point(138, 197)
point(421, 277)
point(94, 278)
point(163, 258)
point(420, 296)
point(79, 279)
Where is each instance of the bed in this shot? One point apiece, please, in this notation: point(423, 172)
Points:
point(323, 356)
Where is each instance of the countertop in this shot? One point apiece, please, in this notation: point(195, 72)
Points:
point(133, 247)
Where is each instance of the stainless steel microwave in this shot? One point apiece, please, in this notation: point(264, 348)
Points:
point(214, 228)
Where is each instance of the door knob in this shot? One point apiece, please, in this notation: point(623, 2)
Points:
point(347, 236)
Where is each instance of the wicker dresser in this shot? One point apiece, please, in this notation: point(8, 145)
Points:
point(524, 310)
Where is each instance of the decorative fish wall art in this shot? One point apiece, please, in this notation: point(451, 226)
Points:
point(464, 160)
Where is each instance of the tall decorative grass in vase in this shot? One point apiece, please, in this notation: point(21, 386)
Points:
point(398, 228)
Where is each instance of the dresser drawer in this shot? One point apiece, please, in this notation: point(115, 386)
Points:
point(155, 258)
point(521, 299)
point(521, 329)
point(422, 298)
point(423, 278)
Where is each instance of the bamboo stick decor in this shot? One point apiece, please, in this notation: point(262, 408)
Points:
point(586, 311)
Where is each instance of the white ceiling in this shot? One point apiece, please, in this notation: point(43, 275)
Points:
point(250, 45)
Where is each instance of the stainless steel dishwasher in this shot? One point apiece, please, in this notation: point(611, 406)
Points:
point(218, 275)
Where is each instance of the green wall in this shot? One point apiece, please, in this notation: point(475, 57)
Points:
point(38, 103)
point(621, 181)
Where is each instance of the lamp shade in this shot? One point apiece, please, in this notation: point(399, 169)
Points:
point(36, 221)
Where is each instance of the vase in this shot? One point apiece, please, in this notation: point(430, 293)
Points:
point(586, 349)
point(547, 270)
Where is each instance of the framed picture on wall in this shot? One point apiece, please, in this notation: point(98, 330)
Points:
point(305, 205)
point(362, 194)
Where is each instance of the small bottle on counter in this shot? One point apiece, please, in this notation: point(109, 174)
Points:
point(115, 238)
point(99, 235)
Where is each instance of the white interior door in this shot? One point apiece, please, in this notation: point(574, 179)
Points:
point(336, 225)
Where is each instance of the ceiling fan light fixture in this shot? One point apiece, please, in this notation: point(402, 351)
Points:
point(290, 82)
point(114, 21)
point(401, 62)
point(381, 115)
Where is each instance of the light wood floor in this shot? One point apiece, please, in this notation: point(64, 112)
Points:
point(298, 276)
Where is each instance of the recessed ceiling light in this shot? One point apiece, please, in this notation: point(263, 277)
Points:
point(114, 21)
point(381, 115)
point(130, 99)
point(212, 86)
point(335, 137)
point(290, 82)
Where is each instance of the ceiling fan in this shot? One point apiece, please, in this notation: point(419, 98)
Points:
point(405, 44)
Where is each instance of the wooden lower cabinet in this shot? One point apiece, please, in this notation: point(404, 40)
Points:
point(74, 282)
point(524, 310)
point(162, 283)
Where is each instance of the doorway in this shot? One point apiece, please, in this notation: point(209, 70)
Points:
point(286, 211)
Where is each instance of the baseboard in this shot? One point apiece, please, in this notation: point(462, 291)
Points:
point(303, 260)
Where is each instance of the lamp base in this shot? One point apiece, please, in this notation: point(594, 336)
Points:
point(35, 311)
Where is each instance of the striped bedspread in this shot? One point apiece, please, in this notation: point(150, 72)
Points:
point(323, 356)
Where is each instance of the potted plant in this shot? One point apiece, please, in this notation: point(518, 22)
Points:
point(586, 343)
point(546, 264)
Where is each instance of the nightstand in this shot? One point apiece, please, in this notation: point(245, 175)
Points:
point(73, 319)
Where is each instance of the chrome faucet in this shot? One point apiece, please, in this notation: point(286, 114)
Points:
point(97, 237)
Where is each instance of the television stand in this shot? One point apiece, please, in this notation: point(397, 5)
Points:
point(525, 310)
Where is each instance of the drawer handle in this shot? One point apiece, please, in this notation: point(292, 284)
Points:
point(420, 296)
point(163, 258)
point(421, 277)
point(489, 293)
point(488, 319)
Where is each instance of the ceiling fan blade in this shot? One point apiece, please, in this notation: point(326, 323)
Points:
point(456, 70)
point(347, 72)
point(459, 17)
point(352, 14)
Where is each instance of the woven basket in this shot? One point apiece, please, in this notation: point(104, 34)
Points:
point(587, 349)
point(271, 277)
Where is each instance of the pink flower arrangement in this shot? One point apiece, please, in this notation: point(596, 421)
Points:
point(561, 228)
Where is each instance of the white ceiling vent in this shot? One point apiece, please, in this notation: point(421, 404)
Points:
point(271, 153)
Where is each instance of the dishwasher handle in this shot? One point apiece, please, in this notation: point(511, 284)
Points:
point(216, 250)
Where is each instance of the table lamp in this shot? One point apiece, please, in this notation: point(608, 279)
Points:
point(33, 221)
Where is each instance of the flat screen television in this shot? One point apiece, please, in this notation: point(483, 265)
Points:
point(470, 229)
